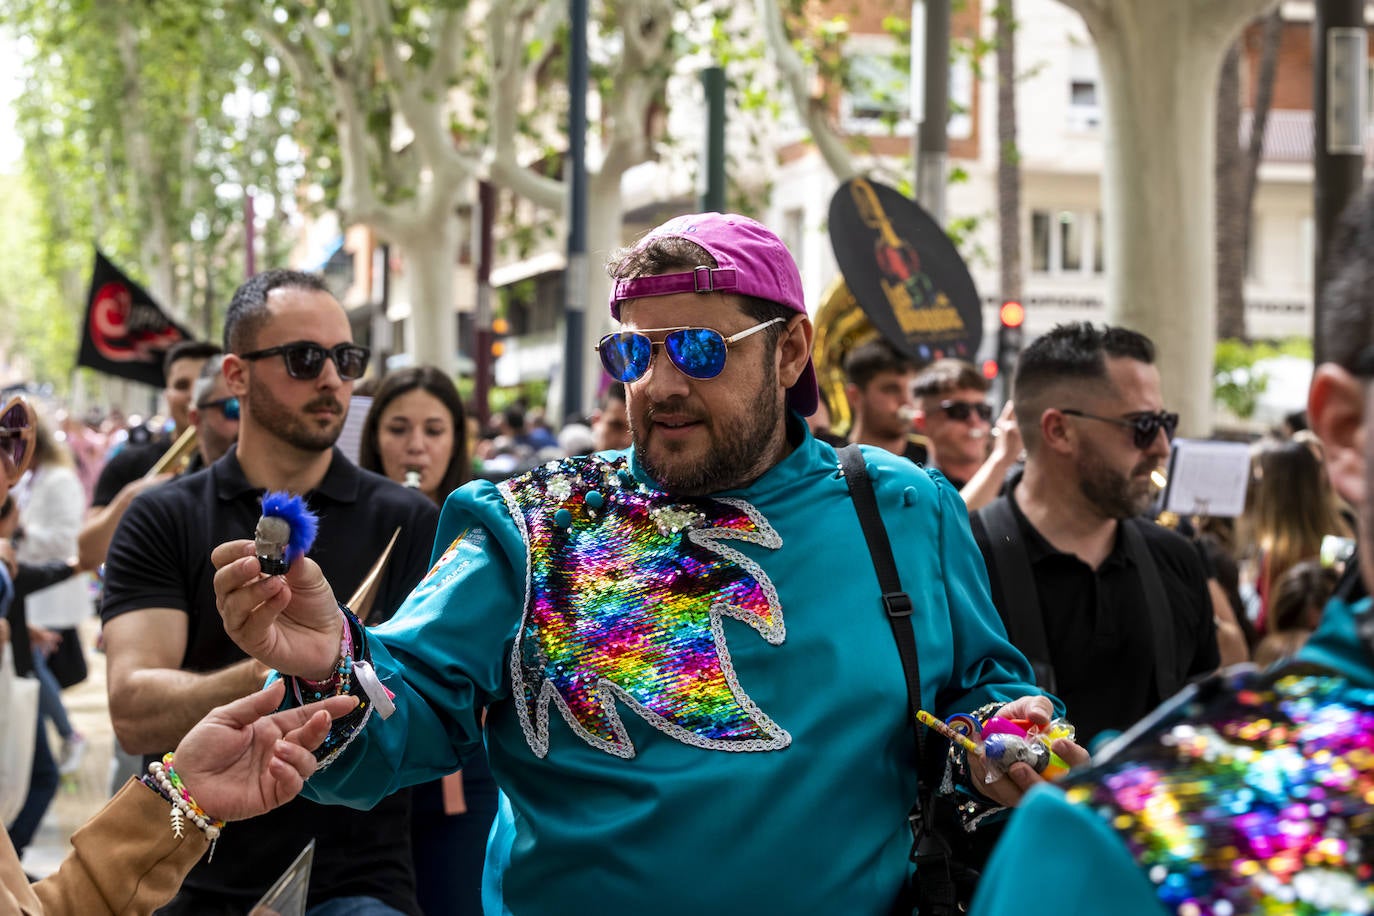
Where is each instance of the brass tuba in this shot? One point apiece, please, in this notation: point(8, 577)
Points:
point(176, 458)
point(841, 325)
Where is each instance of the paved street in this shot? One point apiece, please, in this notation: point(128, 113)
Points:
point(83, 792)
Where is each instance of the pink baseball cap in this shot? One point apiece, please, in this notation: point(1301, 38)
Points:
point(750, 261)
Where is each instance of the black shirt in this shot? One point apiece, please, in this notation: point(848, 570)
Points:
point(1097, 625)
point(160, 558)
point(127, 465)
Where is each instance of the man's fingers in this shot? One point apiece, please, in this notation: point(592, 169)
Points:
point(249, 709)
point(1024, 776)
point(308, 725)
point(286, 771)
point(1073, 753)
point(230, 551)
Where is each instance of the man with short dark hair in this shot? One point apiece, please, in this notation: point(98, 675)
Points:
point(291, 363)
point(215, 415)
point(1250, 793)
point(1114, 612)
point(124, 475)
point(953, 413)
point(678, 639)
point(878, 386)
point(610, 423)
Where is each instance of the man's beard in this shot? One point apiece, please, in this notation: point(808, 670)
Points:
point(291, 427)
point(739, 447)
point(1114, 495)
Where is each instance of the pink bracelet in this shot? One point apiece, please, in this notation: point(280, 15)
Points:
point(337, 682)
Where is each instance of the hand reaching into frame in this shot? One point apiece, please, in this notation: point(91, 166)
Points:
point(243, 760)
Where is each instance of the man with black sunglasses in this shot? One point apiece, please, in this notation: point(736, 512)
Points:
point(124, 476)
point(953, 413)
point(1249, 793)
point(289, 367)
point(677, 638)
point(214, 414)
point(1113, 611)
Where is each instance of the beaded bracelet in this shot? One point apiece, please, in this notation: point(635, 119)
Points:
point(170, 787)
point(337, 684)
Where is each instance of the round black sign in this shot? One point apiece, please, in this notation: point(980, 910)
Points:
point(905, 272)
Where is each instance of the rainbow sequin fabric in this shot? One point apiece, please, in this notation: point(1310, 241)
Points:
point(624, 600)
point(1256, 796)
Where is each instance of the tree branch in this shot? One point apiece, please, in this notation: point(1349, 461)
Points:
point(452, 47)
point(505, 27)
point(356, 202)
point(646, 27)
point(794, 74)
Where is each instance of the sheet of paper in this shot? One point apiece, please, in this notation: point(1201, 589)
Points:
point(1208, 478)
point(350, 440)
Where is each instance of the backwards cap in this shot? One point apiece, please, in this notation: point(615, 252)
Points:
point(750, 261)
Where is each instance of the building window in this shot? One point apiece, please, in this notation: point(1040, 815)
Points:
point(1066, 242)
point(1070, 242)
point(877, 91)
point(1040, 242)
point(877, 94)
point(1085, 102)
point(1099, 259)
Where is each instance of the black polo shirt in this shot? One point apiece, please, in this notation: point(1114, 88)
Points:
point(160, 557)
point(1096, 624)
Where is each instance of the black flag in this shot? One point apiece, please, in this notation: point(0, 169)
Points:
point(125, 332)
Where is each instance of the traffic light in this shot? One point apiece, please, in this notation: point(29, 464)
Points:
point(500, 327)
point(1013, 315)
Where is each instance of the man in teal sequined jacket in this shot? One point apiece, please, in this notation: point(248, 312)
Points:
point(694, 700)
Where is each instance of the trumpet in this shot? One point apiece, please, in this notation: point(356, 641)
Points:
point(176, 458)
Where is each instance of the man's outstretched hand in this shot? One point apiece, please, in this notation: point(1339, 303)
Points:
point(1020, 777)
point(240, 762)
point(290, 622)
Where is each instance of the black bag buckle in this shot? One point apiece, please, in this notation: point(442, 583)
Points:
point(897, 604)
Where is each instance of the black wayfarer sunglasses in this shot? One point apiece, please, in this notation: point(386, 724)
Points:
point(1144, 426)
point(305, 359)
point(964, 410)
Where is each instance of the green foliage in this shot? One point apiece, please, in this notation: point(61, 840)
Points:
point(39, 324)
point(1236, 382)
point(143, 126)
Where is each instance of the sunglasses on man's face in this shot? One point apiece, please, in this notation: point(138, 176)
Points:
point(698, 353)
point(963, 410)
point(227, 406)
point(1144, 426)
point(17, 433)
point(305, 359)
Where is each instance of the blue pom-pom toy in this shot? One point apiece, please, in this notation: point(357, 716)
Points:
point(285, 531)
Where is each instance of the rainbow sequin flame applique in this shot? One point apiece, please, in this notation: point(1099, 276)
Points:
point(624, 600)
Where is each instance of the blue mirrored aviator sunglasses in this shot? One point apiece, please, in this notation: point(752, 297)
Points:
point(227, 406)
point(697, 352)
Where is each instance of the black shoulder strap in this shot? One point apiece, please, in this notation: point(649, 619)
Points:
point(1020, 604)
point(935, 889)
point(1159, 615)
point(896, 602)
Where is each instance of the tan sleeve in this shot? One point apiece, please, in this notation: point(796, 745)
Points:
point(124, 860)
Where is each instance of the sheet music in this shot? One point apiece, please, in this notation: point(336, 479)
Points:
point(1208, 478)
point(351, 439)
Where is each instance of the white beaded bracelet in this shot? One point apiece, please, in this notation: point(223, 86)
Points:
point(182, 809)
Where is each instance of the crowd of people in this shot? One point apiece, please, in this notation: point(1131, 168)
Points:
point(467, 583)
